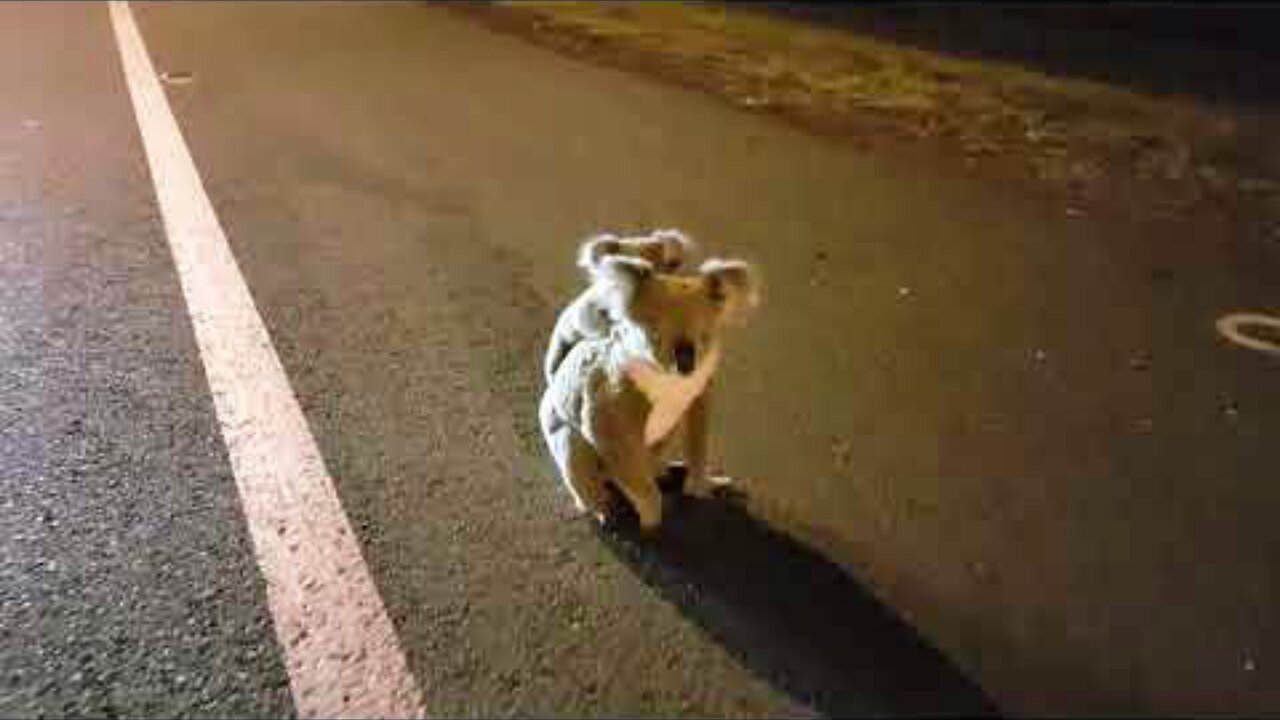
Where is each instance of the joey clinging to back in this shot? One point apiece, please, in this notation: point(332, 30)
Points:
point(665, 250)
point(614, 401)
point(588, 315)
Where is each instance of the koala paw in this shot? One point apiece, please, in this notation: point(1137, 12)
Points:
point(617, 514)
point(649, 532)
point(725, 489)
point(608, 522)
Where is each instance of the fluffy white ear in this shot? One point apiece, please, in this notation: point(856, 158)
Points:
point(621, 276)
point(596, 248)
point(676, 246)
point(732, 284)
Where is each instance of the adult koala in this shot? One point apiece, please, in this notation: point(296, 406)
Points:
point(612, 403)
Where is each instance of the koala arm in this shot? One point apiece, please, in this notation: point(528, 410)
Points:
point(696, 437)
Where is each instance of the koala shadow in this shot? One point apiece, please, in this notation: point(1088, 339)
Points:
point(792, 616)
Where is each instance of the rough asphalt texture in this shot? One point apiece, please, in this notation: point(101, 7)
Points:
point(1013, 426)
point(127, 581)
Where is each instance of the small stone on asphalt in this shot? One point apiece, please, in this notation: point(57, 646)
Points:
point(176, 78)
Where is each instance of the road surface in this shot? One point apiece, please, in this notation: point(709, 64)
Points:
point(994, 453)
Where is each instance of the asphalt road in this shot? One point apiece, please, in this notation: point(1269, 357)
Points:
point(984, 442)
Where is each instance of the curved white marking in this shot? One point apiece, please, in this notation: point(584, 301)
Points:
point(1231, 326)
point(340, 648)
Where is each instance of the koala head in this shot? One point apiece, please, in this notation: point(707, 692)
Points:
point(675, 321)
point(666, 250)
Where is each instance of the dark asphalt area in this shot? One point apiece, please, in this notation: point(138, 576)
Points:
point(127, 582)
point(983, 442)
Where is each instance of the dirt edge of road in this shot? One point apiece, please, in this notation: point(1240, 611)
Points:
point(1086, 143)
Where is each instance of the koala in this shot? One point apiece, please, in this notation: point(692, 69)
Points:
point(588, 314)
point(614, 401)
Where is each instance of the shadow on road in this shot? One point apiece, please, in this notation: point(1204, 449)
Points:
point(793, 617)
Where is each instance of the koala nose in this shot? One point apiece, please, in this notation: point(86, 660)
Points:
point(686, 356)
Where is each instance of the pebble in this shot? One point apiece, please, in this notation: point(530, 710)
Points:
point(176, 78)
point(841, 451)
point(1258, 186)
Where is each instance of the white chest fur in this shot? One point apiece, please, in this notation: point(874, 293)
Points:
point(670, 394)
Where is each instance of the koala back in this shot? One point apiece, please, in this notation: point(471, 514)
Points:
point(590, 390)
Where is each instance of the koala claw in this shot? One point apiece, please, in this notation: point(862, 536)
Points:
point(724, 488)
point(609, 523)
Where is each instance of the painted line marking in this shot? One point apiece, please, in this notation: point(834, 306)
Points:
point(340, 648)
point(1231, 327)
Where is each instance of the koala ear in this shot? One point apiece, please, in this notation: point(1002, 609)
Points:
point(734, 285)
point(622, 276)
point(676, 246)
point(596, 248)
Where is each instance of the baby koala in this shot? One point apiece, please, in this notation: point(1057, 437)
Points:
point(614, 401)
point(588, 315)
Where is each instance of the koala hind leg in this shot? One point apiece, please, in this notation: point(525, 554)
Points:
point(696, 426)
point(584, 476)
point(576, 460)
point(634, 475)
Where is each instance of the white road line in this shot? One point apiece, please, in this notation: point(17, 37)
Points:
point(340, 648)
